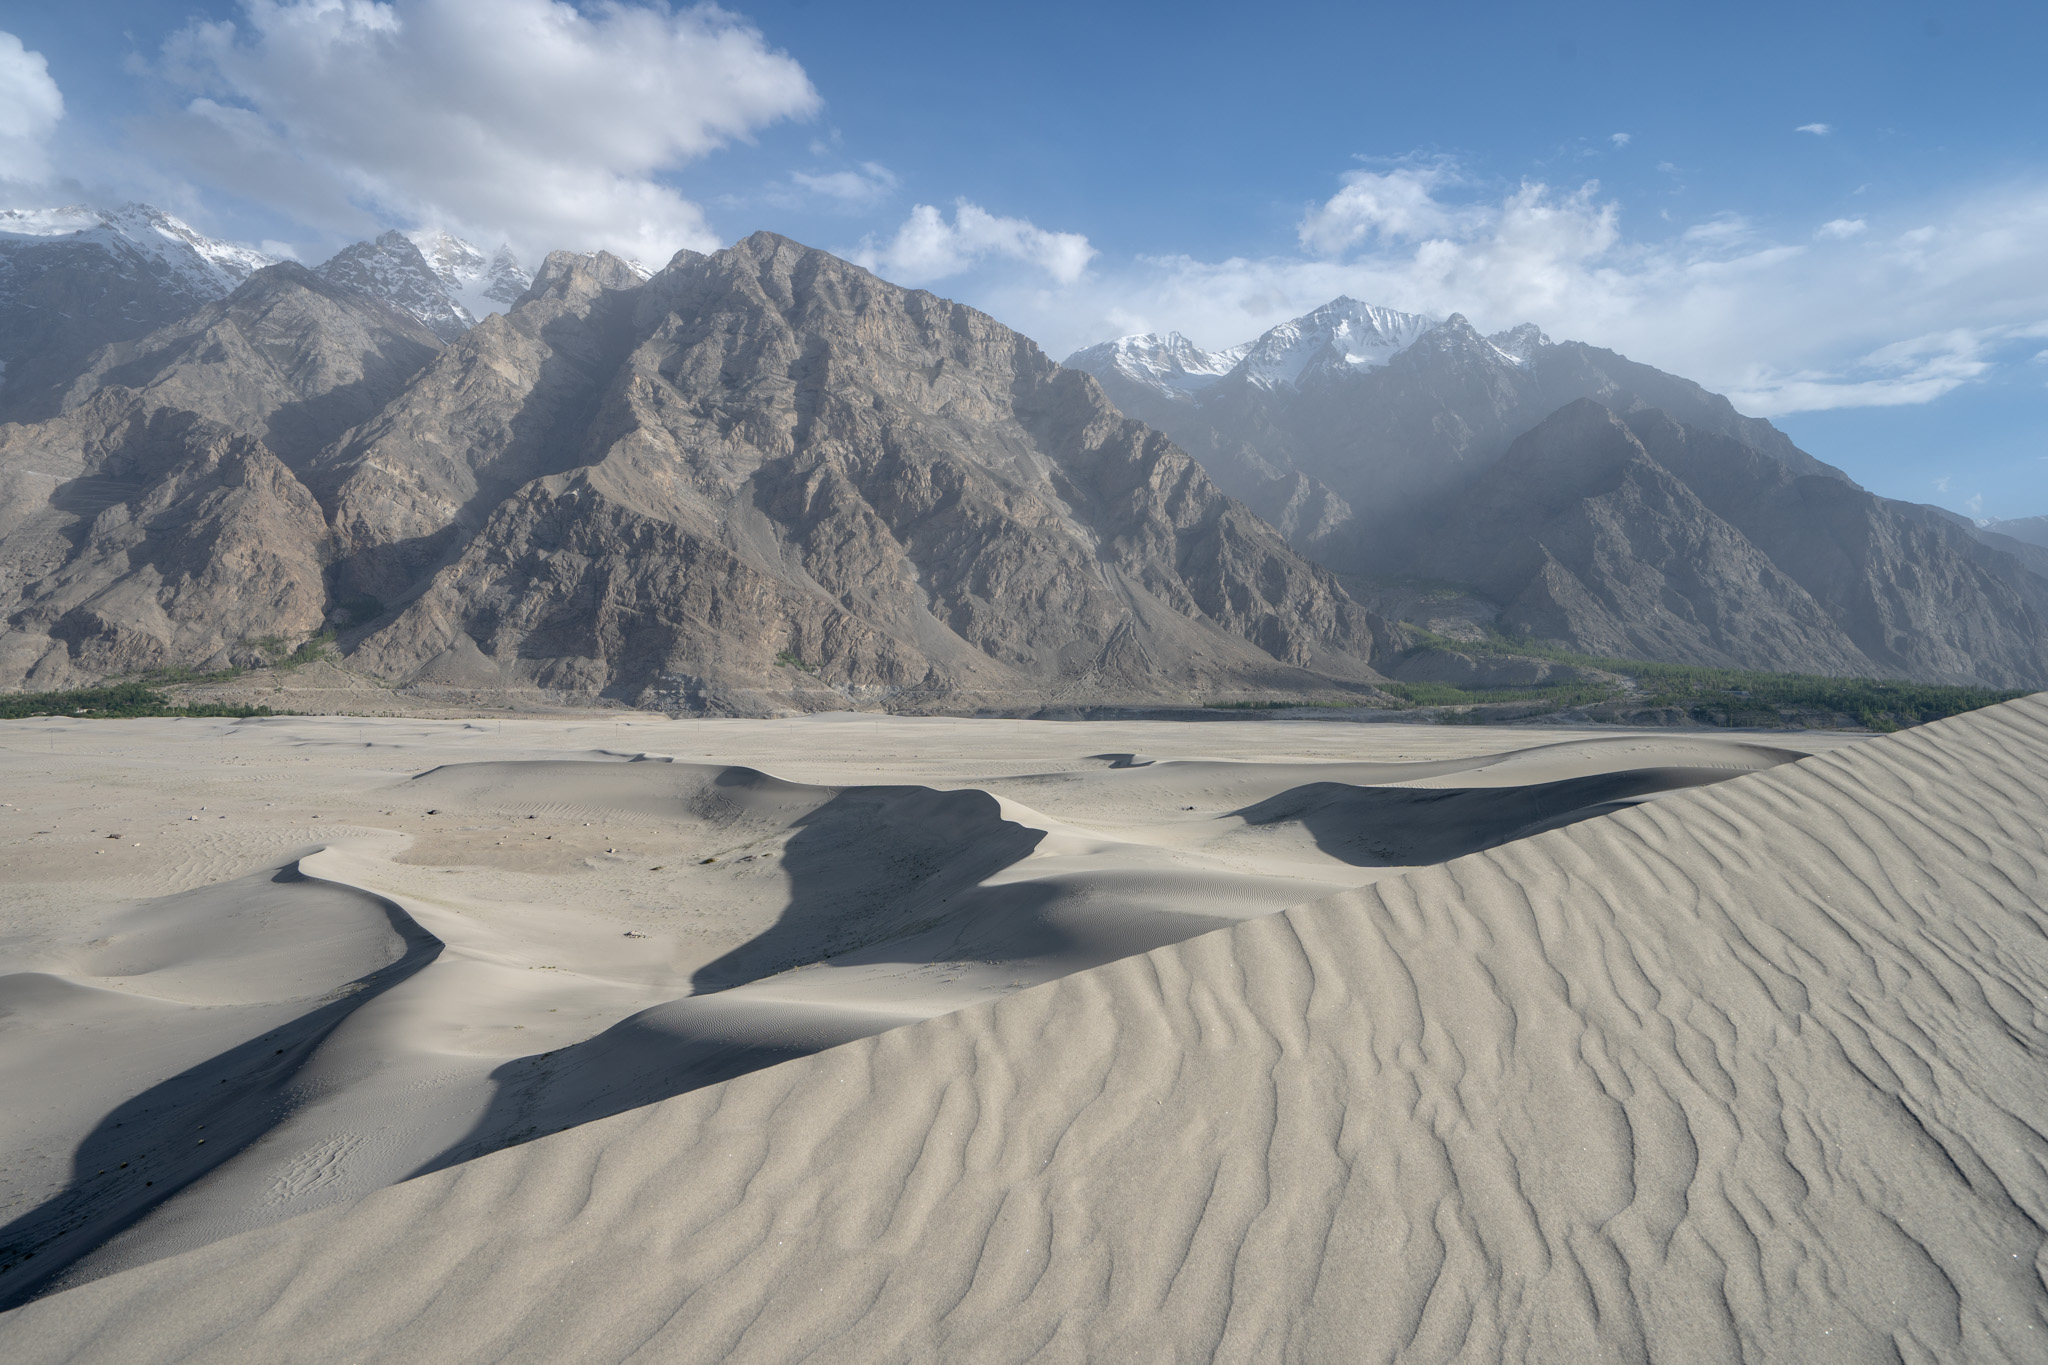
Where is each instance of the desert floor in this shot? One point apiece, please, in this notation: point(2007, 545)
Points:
point(855, 1038)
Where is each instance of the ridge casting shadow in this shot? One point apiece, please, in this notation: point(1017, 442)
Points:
point(152, 1131)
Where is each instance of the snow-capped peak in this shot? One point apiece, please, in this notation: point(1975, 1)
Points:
point(204, 266)
point(393, 269)
point(1343, 334)
point(1519, 344)
point(162, 235)
point(1170, 363)
point(480, 285)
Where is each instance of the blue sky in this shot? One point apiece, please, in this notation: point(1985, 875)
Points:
point(1837, 214)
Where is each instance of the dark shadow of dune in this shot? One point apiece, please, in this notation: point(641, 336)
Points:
point(1411, 826)
point(871, 866)
point(180, 1129)
point(893, 875)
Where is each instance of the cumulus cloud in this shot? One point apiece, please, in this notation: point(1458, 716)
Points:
point(534, 121)
point(1841, 228)
point(1817, 129)
point(1840, 318)
point(1619, 139)
point(30, 107)
point(927, 248)
point(1398, 205)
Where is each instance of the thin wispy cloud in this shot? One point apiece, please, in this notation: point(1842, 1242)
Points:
point(529, 120)
point(1619, 139)
point(1817, 129)
point(861, 187)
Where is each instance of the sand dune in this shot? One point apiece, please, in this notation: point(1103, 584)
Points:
point(1527, 1066)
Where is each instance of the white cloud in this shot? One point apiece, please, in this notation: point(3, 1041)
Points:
point(1838, 319)
point(1397, 205)
point(854, 189)
point(30, 107)
point(1817, 129)
point(1619, 139)
point(1917, 370)
point(1841, 229)
point(928, 248)
point(533, 121)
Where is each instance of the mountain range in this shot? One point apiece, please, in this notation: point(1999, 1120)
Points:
point(75, 279)
point(1584, 498)
point(764, 479)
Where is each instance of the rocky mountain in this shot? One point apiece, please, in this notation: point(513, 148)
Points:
point(478, 283)
point(1636, 536)
point(74, 279)
point(757, 479)
point(1547, 475)
point(393, 270)
point(163, 518)
point(1169, 368)
point(1370, 415)
point(2027, 530)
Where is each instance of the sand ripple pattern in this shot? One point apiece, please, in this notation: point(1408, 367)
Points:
point(1754, 1072)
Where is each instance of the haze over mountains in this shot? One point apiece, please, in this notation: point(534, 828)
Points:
point(765, 479)
point(1589, 499)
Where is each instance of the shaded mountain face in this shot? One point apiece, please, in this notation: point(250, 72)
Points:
point(1387, 414)
point(75, 279)
point(1638, 536)
point(161, 518)
point(758, 479)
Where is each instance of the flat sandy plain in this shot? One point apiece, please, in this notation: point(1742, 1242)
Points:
point(852, 1039)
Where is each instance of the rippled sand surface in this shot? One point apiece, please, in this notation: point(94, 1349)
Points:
point(987, 1040)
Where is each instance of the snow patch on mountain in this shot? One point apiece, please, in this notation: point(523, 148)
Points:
point(480, 284)
point(1343, 334)
point(1519, 344)
point(205, 267)
point(393, 269)
point(1171, 364)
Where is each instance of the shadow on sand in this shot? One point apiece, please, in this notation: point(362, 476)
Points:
point(871, 866)
point(151, 1147)
point(891, 875)
point(1414, 826)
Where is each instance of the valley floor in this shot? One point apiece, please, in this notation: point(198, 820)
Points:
point(616, 1038)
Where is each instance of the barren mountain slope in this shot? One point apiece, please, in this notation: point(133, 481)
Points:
point(789, 459)
point(1584, 538)
point(1636, 536)
point(159, 519)
point(1383, 433)
point(1916, 592)
point(75, 279)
